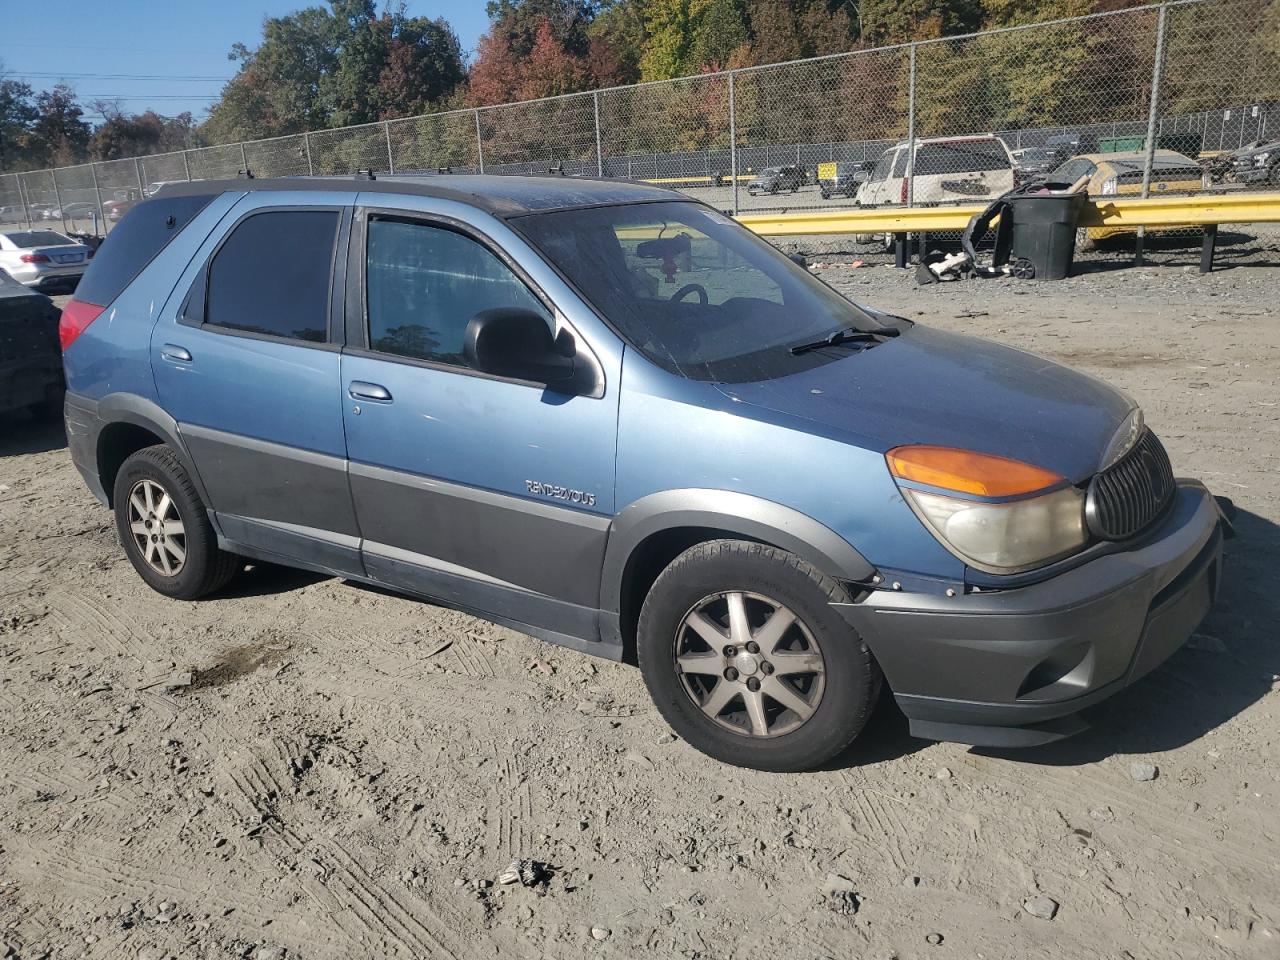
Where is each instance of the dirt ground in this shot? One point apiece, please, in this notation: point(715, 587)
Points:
point(307, 768)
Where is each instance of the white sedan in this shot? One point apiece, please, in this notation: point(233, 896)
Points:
point(43, 258)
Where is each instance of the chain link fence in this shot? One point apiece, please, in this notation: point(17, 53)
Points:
point(1199, 79)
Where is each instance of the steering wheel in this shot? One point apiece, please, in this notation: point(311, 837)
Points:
point(689, 288)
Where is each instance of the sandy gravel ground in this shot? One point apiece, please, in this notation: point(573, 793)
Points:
point(307, 768)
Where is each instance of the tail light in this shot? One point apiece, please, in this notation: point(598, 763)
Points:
point(76, 317)
point(34, 258)
point(903, 197)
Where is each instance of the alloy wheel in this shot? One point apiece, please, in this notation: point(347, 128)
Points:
point(157, 528)
point(749, 664)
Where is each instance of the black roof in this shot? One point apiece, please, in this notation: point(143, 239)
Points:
point(504, 196)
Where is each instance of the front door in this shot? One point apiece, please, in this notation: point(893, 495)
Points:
point(247, 363)
point(491, 493)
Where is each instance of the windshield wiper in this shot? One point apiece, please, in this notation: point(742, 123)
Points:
point(847, 335)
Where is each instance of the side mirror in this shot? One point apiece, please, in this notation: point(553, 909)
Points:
point(517, 343)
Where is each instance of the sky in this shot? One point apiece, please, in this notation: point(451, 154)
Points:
point(115, 49)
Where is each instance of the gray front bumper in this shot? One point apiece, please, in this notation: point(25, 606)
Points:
point(1011, 668)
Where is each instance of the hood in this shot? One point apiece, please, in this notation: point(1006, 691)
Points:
point(930, 386)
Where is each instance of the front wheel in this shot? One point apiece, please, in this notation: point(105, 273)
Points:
point(747, 660)
point(164, 528)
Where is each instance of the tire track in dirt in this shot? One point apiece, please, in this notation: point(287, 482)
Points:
point(97, 875)
point(93, 614)
point(259, 777)
point(510, 833)
point(887, 831)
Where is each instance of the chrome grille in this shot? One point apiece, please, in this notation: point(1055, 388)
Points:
point(1132, 494)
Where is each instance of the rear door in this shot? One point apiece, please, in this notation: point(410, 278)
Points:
point(248, 362)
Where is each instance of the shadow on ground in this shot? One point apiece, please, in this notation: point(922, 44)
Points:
point(1229, 664)
point(22, 434)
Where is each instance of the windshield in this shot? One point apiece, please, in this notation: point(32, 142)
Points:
point(697, 293)
point(26, 239)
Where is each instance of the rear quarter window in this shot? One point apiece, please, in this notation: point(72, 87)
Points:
point(135, 241)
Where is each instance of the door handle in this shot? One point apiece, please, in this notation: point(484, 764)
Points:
point(171, 351)
point(373, 392)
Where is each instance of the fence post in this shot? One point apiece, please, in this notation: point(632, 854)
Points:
point(391, 163)
point(186, 165)
point(102, 216)
point(306, 143)
point(244, 159)
point(25, 196)
point(595, 103)
point(137, 169)
point(57, 197)
point(1152, 114)
point(733, 141)
point(479, 141)
point(911, 126)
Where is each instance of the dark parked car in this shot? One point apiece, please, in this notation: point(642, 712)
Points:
point(30, 361)
point(778, 179)
point(1259, 163)
point(842, 178)
point(610, 416)
point(1030, 163)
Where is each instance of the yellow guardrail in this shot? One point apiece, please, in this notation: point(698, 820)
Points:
point(1117, 212)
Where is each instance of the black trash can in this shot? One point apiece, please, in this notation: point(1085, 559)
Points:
point(1043, 230)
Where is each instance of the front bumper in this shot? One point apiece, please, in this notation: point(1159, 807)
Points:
point(1012, 668)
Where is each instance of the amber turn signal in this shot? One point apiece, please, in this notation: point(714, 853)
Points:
point(964, 471)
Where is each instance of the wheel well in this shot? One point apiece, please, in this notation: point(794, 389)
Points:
point(650, 557)
point(115, 444)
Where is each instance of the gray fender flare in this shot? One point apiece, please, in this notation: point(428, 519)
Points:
point(141, 412)
point(738, 513)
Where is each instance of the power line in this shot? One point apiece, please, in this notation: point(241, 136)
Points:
point(145, 96)
point(118, 76)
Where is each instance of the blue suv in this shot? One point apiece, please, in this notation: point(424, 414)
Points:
point(608, 416)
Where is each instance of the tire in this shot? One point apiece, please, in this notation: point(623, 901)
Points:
point(197, 567)
point(837, 694)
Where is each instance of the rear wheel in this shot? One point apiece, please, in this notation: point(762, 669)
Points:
point(164, 527)
point(746, 659)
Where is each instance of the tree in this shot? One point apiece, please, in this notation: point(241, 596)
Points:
point(123, 135)
point(721, 32)
point(423, 67)
point(276, 89)
point(17, 114)
point(540, 48)
point(59, 135)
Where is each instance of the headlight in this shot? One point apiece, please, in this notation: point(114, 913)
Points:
point(1009, 516)
point(1262, 158)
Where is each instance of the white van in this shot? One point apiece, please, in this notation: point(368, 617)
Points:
point(946, 169)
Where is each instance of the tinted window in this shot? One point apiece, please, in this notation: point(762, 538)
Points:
point(25, 239)
point(695, 292)
point(425, 283)
point(900, 164)
point(1073, 170)
point(961, 156)
point(133, 243)
point(272, 275)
